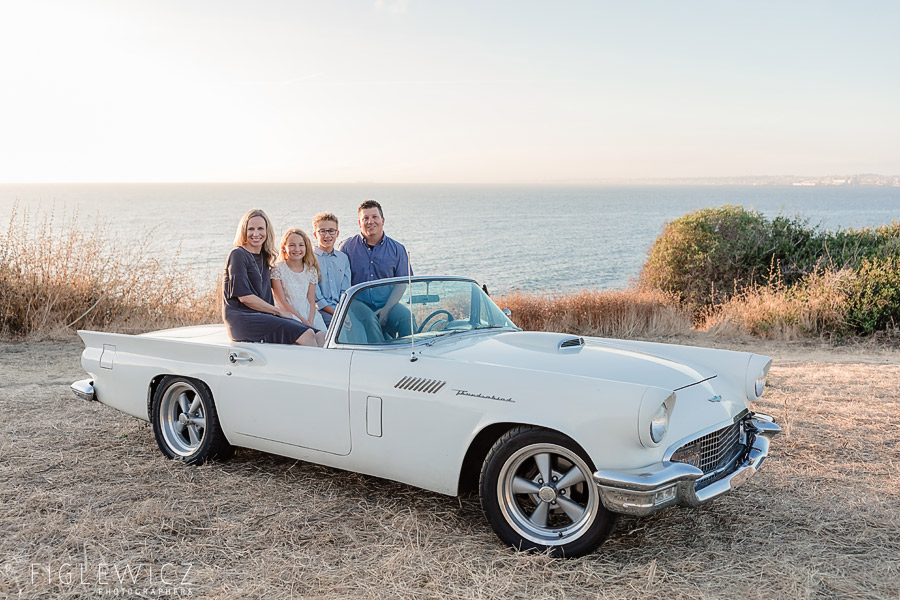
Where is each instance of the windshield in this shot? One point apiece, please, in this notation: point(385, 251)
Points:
point(395, 313)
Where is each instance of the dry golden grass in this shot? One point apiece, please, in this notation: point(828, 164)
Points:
point(57, 276)
point(814, 308)
point(85, 485)
point(606, 313)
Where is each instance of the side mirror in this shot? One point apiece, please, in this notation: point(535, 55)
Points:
point(507, 312)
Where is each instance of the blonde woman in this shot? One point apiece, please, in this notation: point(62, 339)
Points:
point(248, 309)
point(294, 280)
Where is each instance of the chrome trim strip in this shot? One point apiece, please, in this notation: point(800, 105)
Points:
point(695, 383)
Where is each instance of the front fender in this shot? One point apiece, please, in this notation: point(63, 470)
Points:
point(604, 417)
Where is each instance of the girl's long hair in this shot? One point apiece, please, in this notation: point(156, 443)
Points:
point(309, 259)
point(268, 247)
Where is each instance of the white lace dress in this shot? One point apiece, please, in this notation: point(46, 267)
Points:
point(296, 288)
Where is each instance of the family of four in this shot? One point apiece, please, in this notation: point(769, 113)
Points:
point(288, 295)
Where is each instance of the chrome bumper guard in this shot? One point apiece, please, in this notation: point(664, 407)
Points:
point(84, 389)
point(645, 491)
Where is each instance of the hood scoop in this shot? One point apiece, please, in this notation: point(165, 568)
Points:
point(571, 344)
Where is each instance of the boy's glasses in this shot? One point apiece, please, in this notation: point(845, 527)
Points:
point(327, 231)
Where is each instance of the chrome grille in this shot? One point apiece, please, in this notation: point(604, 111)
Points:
point(708, 452)
point(419, 384)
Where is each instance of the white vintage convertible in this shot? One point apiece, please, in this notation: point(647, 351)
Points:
point(557, 432)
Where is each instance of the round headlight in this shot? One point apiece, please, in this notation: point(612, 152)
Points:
point(760, 386)
point(659, 424)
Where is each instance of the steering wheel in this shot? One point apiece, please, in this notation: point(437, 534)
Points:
point(428, 318)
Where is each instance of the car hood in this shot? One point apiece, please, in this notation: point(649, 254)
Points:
point(597, 358)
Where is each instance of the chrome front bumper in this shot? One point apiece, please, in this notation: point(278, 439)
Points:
point(84, 389)
point(645, 491)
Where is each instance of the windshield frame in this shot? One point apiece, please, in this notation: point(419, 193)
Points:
point(343, 309)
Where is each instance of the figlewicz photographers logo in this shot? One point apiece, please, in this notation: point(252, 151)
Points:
point(117, 580)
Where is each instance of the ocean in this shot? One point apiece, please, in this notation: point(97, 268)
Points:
point(548, 238)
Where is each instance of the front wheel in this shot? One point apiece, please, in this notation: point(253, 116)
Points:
point(185, 422)
point(538, 493)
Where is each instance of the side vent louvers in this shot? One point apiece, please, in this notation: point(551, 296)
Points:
point(571, 343)
point(419, 384)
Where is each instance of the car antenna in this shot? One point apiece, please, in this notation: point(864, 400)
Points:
point(412, 332)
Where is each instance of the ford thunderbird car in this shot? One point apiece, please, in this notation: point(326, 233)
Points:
point(558, 433)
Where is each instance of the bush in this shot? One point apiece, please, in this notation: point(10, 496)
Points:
point(707, 256)
point(874, 296)
point(710, 255)
point(780, 277)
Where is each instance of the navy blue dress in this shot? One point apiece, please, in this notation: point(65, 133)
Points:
point(245, 274)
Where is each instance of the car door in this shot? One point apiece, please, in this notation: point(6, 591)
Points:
point(294, 395)
point(409, 423)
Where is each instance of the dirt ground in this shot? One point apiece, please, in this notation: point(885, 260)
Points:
point(89, 508)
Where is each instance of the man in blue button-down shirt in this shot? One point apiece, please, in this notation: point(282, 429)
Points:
point(374, 256)
point(334, 266)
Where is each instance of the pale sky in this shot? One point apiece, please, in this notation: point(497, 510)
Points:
point(446, 91)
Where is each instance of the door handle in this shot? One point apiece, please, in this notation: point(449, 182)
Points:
point(233, 357)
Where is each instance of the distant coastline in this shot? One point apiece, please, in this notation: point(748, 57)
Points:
point(861, 179)
point(855, 180)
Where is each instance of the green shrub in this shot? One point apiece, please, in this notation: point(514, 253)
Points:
point(852, 247)
point(874, 298)
point(707, 256)
point(736, 267)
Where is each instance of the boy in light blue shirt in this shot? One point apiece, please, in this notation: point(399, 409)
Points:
point(334, 266)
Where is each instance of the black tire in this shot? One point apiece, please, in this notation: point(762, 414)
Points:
point(564, 515)
point(185, 422)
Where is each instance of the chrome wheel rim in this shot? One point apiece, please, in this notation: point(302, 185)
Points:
point(547, 494)
point(182, 419)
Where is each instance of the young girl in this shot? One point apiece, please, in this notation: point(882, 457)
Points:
point(294, 280)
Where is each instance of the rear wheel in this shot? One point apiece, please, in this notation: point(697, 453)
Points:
point(185, 422)
point(538, 493)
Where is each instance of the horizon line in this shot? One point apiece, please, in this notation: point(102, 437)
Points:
point(689, 180)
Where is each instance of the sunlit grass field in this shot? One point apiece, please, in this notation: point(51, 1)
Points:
point(83, 486)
